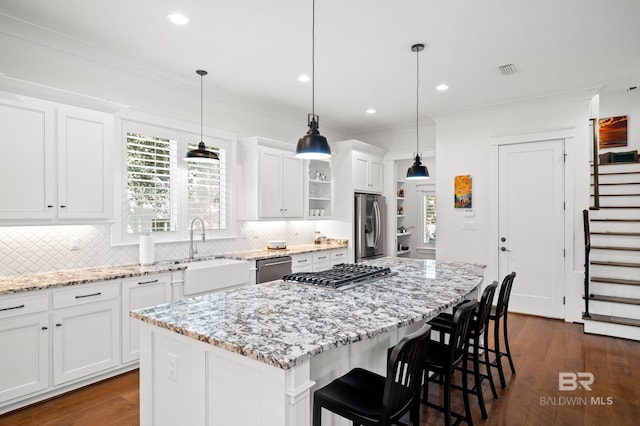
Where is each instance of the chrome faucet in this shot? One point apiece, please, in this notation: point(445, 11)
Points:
point(193, 251)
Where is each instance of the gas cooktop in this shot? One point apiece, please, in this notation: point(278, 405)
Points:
point(342, 276)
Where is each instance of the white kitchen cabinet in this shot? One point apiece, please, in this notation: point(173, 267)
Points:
point(24, 339)
point(138, 293)
point(27, 160)
point(321, 261)
point(338, 256)
point(86, 337)
point(301, 263)
point(85, 171)
point(319, 189)
point(58, 176)
point(318, 260)
point(273, 185)
point(367, 172)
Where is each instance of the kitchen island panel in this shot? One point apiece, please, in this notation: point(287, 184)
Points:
point(185, 381)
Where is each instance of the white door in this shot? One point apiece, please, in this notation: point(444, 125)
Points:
point(531, 225)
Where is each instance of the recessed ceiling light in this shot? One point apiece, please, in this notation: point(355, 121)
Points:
point(371, 111)
point(303, 78)
point(442, 87)
point(178, 18)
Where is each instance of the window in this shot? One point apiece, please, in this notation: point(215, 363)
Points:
point(150, 196)
point(162, 193)
point(207, 190)
point(429, 218)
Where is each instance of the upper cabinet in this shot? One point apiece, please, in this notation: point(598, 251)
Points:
point(58, 159)
point(367, 172)
point(319, 189)
point(85, 174)
point(272, 180)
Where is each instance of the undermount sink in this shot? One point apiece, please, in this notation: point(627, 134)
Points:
point(210, 275)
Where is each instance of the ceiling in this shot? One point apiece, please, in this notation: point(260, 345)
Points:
point(254, 50)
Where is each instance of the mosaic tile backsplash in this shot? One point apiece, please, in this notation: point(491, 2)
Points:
point(33, 249)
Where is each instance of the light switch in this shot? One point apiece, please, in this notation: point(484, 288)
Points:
point(470, 225)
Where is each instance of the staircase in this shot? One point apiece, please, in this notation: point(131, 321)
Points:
point(612, 248)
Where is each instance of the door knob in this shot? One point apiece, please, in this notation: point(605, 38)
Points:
point(503, 239)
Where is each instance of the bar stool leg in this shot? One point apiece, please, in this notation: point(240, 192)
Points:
point(478, 380)
point(506, 344)
point(487, 363)
point(496, 343)
point(465, 393)
point(447, 399)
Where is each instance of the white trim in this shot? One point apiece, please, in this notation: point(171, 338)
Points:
point(181, 132)
point(568, 136)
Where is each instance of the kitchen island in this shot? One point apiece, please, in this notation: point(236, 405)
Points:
point(254, 355)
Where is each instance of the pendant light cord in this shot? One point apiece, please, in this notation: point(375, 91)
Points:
point(201, 103)
point(417, 99)
point(313, 59)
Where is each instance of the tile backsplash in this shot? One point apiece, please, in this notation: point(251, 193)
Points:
point(33, 249)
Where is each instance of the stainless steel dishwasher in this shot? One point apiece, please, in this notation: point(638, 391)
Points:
point(272, 269)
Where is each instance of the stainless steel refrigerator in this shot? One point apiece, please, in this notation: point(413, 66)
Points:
point(369, 226)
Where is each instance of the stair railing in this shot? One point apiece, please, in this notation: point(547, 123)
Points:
point(587, 251)
point(596, 178)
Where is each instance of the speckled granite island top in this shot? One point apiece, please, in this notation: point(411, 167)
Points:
point(282, 323)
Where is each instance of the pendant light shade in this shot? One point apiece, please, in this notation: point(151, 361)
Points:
point(417, 169)
point(313, 146)
point(201, 154)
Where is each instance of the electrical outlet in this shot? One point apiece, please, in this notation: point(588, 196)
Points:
point(74, 243)
point(173, 366)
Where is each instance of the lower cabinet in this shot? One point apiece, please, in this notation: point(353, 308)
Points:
point(338, 256)
point(317, 261)
point(301, 263)
point(136, 294)
point(86, 337)
point(55, 340)
point(321, 261)
point(24, 353)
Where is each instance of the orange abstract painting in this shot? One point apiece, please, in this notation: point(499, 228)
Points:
point(462, 192)
point(613, 132)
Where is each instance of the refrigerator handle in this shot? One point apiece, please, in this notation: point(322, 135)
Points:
point(376, 210)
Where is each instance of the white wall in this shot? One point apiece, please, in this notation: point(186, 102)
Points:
point(464, 147)
point(624, 103)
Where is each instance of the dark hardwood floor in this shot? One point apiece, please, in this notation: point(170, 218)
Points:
point(542, 348)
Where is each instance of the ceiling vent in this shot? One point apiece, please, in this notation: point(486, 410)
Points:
point(508, 69)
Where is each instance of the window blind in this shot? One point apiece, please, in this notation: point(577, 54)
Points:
point(207, 190)
point(151, 199)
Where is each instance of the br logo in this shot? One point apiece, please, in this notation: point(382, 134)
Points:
point(569, 381)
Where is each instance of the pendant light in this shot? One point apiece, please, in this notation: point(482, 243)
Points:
point(313, 146)
point(201, 154)
point(417, 170)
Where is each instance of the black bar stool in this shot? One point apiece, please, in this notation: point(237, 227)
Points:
point(443, 323)
point(498, 312)
point(443, 358)
point(366, 398)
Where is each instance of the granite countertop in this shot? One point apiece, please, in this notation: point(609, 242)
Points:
point(282, 324)
point(43, 281)
point(267, 254)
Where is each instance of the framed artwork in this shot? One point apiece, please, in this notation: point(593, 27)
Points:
point(613, 131)
point(462, 196)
